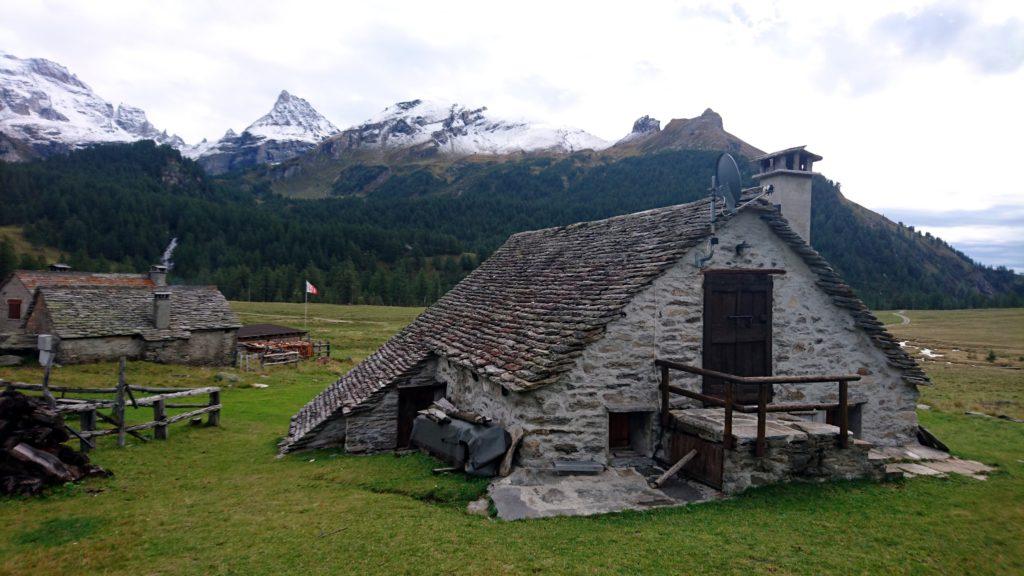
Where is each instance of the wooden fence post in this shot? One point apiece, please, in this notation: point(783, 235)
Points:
point(844, 416)
point(727, 433)
point(50, 401)
point(762, 415)
point(160, 417)
point(87, 422)
point(119, 404)
point(214, 418)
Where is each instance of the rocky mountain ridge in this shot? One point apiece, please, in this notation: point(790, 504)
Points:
point(47, 109)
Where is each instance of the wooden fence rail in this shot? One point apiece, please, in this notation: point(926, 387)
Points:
point(89, 415)
point(762, 408)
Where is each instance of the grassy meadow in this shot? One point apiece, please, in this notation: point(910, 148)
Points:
point(218, 501)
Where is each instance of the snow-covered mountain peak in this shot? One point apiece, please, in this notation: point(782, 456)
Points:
point(43, 104)
point(292, 118)
point(456, 129)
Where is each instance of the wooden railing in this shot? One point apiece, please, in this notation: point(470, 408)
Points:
point(89, 415)
point(762, 408)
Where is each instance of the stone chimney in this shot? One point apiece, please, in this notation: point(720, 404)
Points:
point(161, 310)
point(158, 274)
point(789, 173)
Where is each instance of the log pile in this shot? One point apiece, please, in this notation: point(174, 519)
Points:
point(32, 451)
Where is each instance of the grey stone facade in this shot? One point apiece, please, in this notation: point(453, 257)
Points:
point(617, 374)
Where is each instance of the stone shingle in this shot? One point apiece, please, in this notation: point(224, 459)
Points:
point(525, 315)
point(98, 311)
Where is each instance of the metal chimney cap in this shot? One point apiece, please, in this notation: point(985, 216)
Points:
point(158, 268)
point(162, 295)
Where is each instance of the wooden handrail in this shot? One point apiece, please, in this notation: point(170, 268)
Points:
point(762, 408)
point(795, 379)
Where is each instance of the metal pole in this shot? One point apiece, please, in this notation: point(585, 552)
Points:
point(305, 308)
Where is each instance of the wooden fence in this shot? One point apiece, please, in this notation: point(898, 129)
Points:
point(88, 410)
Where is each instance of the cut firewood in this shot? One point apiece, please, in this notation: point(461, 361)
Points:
point(48, 462)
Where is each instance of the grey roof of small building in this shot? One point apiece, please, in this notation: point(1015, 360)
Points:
point(95, 311)
point(250, 331)
point(525, 315)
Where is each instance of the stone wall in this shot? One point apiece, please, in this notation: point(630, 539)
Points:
point(82, 350)
point(203, 347)
point(374, 429)
point(569, 420)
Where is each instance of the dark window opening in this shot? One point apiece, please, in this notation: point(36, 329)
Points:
point(629, 432)
point(14, 309)
point(855, 414)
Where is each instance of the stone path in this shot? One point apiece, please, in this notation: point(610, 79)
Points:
point(540, 494)
point(911, 461)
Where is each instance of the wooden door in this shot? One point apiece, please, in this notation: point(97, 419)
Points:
point(411, 401)
point(737, 331)
point(618, 430)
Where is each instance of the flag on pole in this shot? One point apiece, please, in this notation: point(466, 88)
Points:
point(310, 289)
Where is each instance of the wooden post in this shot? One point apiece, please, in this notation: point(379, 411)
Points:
point(214, 419)
point(119, 404)
point(50, 401)
point(727, 441)
point(762, 414)
point(664, 398)
point(160, 417)
point(87, 422)
point(844, 416)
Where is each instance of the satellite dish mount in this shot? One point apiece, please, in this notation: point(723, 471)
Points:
point(725, 184)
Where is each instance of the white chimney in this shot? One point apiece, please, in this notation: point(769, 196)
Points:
point(789, 173)
point(161, 310)
point(158, 274)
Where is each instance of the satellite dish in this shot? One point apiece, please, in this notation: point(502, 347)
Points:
point(727, 180)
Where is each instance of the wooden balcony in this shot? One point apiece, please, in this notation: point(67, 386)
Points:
point(763, 407)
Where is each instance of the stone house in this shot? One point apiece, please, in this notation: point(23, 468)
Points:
point(168, 324)
point(559, 330)
point(17, 289)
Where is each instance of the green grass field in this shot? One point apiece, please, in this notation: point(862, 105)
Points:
point(217, 501)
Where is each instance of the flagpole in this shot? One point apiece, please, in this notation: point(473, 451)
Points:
point(305, 309)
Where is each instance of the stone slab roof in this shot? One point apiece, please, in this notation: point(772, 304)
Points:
point(98, 311)
point(526, 314)
point(33, 279)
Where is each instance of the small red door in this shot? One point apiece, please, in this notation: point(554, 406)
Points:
point(618, 430)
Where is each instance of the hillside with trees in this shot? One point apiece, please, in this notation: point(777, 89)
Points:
point(405, 234)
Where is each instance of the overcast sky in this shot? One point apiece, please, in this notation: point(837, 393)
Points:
point(916, 106)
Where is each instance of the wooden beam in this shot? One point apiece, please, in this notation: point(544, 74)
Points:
point(743, 271)
point(675, 468)
point(844, 416)
point(762, 417)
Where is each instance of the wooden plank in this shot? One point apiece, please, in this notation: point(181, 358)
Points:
point(39, 387)
point(506, 463)
point(675, 468)
point(664, 397)
point(87, 422)
point(119, 406)
point(214, 418)
point(159, 415)
point(743, 271)
point(149, 400)
point(803, 379)
point(762, 416)
point(707, 465)
point(844, 416)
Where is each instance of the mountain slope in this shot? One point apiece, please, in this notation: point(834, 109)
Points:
point(705, 132)
point(410, 237)
point(48, 109)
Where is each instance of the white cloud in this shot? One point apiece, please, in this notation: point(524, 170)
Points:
point(912, 103)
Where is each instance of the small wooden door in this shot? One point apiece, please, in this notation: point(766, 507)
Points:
point(411, 401)
point(737, 330)
point(618, 430)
